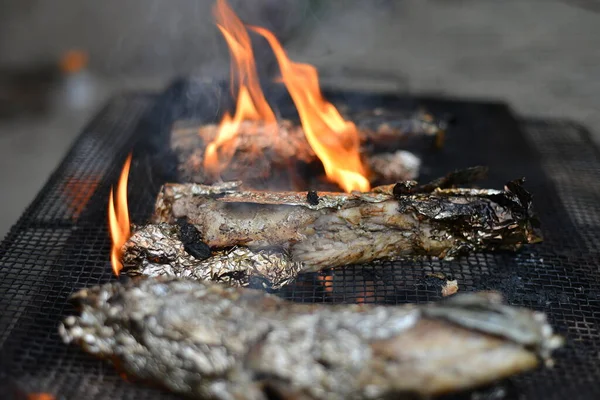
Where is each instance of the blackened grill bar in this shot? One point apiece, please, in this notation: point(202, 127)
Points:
point(61, 243)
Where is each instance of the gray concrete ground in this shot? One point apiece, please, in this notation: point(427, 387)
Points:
point(541, 56)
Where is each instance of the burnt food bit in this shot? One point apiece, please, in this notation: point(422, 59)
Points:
point(198, 250)
point(192, 240)
point(403, 188)
point(446, 285)
point(312, 198)
point(465, 176)
point(188, 233)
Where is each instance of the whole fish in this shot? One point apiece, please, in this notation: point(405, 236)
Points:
point(334, 229)
point(208, 340)
point(259, 152)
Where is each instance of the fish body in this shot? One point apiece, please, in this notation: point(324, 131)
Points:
point(337, 229)
point(207, 340)
point(260, 151)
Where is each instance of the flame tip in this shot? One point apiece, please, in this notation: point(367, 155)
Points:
point(118, 217)
point(333, 139)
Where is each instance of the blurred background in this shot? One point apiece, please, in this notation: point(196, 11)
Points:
point(61, 60)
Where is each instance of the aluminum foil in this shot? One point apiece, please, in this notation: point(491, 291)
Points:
point(156, 250)
point(205, 340)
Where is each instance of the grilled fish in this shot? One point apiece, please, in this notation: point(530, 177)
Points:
point(253, 154)
point(334, 229)
point(259, 151)
point(207, 340)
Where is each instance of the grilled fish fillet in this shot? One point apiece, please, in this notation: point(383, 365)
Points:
point(334, 229)
point(207, 340)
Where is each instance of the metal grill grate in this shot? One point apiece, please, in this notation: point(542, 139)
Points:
point(61, 243)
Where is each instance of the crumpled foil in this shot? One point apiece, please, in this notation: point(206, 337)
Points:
point(206, 340)
point(156, 250)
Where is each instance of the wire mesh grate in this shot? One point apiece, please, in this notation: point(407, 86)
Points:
point(61, 243)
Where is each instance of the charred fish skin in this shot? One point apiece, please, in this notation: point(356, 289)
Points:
point(477, 220)
point(350, 228)
point(206, 340)
point(159, 250)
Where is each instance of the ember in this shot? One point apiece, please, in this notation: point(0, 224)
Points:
point(40, 396)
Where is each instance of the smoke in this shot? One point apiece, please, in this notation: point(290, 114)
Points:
point(340, 40)
point(172, 37)
point(136, 37)
point(537, 58)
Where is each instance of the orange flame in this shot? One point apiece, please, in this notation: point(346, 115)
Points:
point(78, 191)
point(40, 396)
point(118, 218)
point(251, 103)
point(327, 282)
point(334, 140)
